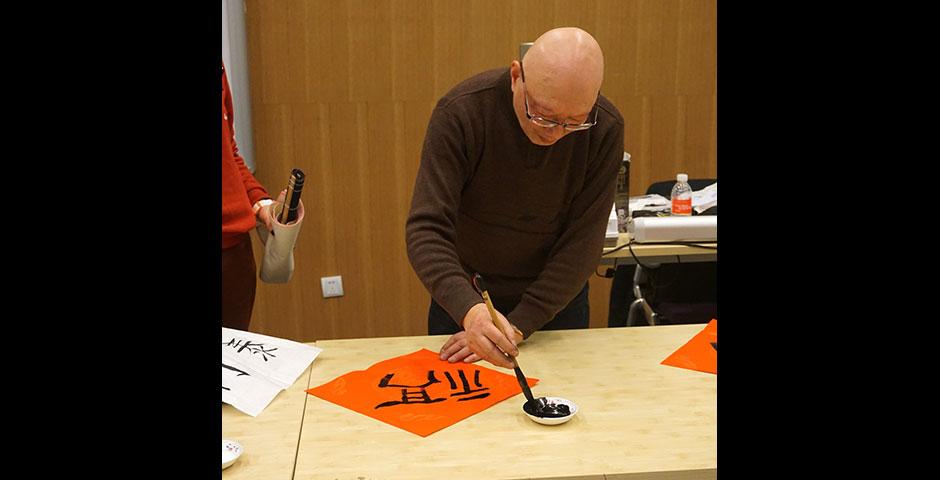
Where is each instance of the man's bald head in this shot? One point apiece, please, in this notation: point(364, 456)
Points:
point(565, 67)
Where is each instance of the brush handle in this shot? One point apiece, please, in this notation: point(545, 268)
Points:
point(295, 186)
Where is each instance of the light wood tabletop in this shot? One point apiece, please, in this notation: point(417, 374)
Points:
point(637, 418)
point(270, 439)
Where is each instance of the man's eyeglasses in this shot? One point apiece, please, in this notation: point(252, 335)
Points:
point(546, 123)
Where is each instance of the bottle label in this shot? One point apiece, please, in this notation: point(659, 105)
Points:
point(682, 207)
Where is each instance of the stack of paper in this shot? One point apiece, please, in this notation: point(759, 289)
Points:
point(255, 368)
point(652, 203)
point(705, 198)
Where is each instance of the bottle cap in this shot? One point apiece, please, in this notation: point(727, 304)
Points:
point(682, 177)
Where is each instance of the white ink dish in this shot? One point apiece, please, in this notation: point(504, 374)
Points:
point(231, 450)
point(552, 420)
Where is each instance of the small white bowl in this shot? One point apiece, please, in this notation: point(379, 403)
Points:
point(555, 420)
point(231, 450)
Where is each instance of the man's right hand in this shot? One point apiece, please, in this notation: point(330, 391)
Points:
point(485, 339)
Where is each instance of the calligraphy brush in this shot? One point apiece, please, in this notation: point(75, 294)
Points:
point(536, 402)
point(295, 186)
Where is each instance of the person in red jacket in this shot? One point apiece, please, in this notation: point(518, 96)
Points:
point(244, 202)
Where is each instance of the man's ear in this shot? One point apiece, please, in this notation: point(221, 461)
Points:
point(515, 71)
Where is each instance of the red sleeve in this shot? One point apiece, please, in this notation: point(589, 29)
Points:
point(252, 186)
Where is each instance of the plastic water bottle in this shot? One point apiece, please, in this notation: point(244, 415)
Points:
point(682, 196)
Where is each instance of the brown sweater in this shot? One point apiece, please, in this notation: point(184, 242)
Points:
point(529, 219)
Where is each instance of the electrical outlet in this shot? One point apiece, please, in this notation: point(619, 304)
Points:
point(332, 286)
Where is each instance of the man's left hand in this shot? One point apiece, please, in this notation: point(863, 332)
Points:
point(457, 348)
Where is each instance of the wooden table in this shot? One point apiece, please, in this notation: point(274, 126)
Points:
point(270, 439)
point(638, 419)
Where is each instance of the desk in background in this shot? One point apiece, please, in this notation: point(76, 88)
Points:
point(657, 253)
point(638, 419)
point(650, 255)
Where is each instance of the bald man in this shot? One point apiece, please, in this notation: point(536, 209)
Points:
point(516, 183)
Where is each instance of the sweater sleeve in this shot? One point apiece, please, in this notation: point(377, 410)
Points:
point(430, 230)
point(575, 255)
point(252, 186)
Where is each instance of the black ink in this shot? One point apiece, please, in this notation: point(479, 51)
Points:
point(466, 386)
point(549, 410)
point(475, 397)
point(408, 397)
point(240, 372)
point(421, 395)
point(251, 347)
point(715, 345)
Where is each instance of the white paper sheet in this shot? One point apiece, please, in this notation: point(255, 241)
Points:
point(705, 198)
point(652, 202)
point(256, 367)
point(244, 391)
point(610, 237)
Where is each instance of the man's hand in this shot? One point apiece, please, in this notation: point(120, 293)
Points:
point(484, 339)
point(457, 348)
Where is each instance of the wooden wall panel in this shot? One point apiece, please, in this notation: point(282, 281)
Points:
point(343, 89)
point(531, 18)
point(657, 52)
point(584, 15)
point(327, 59)
point(697, 142)
point(696, 65)
point(369, 50)
point(599, 295)
point(412, 40)
point(664, 110)
point(488, 36)
point(615, 31)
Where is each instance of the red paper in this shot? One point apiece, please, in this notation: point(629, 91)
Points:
point(419, 392)
point(698, 353)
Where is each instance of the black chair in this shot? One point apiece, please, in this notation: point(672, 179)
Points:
point(671, 293)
